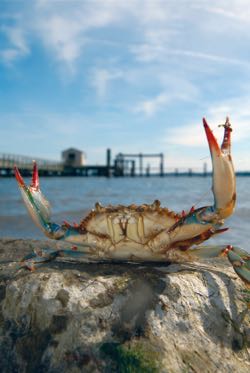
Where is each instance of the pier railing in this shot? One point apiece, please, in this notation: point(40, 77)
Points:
point(8, 161)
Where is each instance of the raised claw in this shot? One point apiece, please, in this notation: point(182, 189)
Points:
point(224, 185)
point(37, 204)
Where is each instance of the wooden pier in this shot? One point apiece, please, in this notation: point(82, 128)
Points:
point(124, 166)
point(53, 168)
point(48, 167)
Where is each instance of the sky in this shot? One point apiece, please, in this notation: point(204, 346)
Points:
point(134, 75)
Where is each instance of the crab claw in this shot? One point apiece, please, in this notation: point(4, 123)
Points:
point(224, 186)
point(37, 205)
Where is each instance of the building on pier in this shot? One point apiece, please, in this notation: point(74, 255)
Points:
point(73, 158)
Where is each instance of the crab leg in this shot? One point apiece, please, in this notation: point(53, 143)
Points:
point(37, 205)
point(239, 258)
point(240, 261)
point(224, 186)
point(40, 256)
point(36, 258)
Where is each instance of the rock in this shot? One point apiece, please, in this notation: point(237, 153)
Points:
point(104, 317)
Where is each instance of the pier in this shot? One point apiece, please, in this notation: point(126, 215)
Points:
point(25, 164)
point(124, 165)
point(48, 167)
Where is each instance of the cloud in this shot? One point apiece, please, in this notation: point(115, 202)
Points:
point(158, 52)
point(149, 107)
point(191, 135)
point(9, 55)
point(61, 27)
point(18, 46)
point(173, 88)
point(66, 29)
point(101, 78)
point(187, 144)
point(63, 39)
point(238, 10)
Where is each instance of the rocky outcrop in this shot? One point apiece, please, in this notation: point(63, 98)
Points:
point(103, 317)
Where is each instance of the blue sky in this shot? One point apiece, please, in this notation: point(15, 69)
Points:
point(131, 75)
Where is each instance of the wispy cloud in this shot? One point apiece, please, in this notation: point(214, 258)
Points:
point(65, 30)
point(101, 78)
point(64, 39)
point(191, 135)
point(18, 46)
point(153, 52)
point(187, 144)
point(238, 10)
point(172, 89)
point(62, 29)
point(149, 107)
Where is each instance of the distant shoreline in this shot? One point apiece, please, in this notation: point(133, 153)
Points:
point(168, 174)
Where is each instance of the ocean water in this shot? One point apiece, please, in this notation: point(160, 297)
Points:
point(72, 198)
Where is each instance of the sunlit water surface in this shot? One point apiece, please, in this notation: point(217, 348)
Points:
point(72, 198)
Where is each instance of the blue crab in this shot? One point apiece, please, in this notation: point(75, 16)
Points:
point(146, 232)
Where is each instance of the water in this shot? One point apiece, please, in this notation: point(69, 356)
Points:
point(72, 198)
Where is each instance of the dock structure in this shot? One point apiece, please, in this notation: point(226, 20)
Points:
point(125, 164)
point(52, 168)
point(49, 167)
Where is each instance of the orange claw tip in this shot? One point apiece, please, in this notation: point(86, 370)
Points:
point(18, 177)
point(213, 144)
point(35, 177)
point(225, 251)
